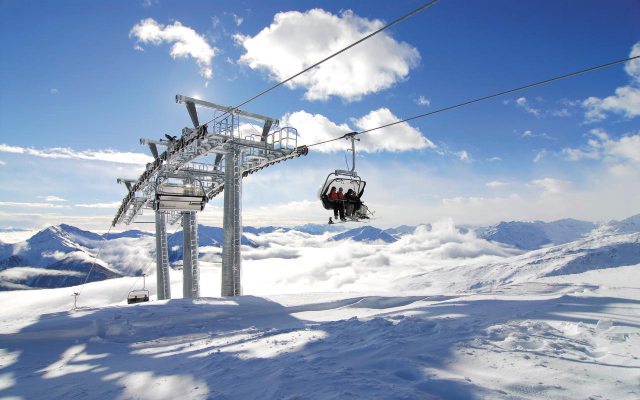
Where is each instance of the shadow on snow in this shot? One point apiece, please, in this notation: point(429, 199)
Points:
point(250, 347)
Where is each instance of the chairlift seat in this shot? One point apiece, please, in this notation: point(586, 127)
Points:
point(137, 296)
point(345, 182)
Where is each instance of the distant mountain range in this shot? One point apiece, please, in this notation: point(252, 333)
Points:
point(537, 234)
point(62, 255)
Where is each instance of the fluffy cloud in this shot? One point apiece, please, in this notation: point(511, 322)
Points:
point(30, 205)
point(496, 184)
point(552, 185)
point(601, 146)
point(625, 101)
point(186, 42)
point(464, 156)
point(523, 103)
point(317, 128)
point(423, 101)
point(92, 155)
point(529, 134)
point(113, 205)
point(296, 40)
point(52, 198)
point(540, 155)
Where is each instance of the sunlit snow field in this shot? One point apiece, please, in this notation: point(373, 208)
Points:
point(437, 314)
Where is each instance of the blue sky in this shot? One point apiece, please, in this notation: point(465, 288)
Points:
point(81, 83)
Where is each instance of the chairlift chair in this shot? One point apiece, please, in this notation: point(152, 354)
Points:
point(179, 196)
point(345, 179)
point(140, 295)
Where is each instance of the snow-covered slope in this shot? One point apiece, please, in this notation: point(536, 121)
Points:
point(534, 235)
point(437, 314)
point(592, 253)
point(628, 225)
point(401, 230)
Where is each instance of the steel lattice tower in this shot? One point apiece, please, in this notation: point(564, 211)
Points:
point(178, 184)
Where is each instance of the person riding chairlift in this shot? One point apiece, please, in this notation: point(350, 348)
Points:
point(337, 200)
point(353, 203)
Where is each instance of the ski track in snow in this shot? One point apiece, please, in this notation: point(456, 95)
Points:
point(470, 321)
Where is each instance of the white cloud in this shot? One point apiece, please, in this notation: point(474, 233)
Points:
point(399, 137)
point(577, 154)
point(523, 103)
point(149, 3)
point(423, 101)
point(601, 146)
point(185, 41)
point(464, 156)
point(52, 198)
point(113, 205)
point(237, 19)
point(552, 185)
point(494, 159)
point(296, 40)
point(529, 134)
point(54, 91)
point(627, 148)
point(2, 162)
point(30, 205)
point(93, 155)
point(317, 128)
point(540, 155)
point(633, 67)
point(625, 101)
point(563, 112)
point(496, 184)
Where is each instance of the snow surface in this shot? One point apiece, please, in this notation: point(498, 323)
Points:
point(439, 313)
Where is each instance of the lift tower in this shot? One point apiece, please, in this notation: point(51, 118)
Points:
point(195, 168)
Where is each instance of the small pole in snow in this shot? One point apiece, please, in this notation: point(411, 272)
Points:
point(75, 299)
point(144, 281)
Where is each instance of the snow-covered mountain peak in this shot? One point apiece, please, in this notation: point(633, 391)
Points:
point(536, 234)
point(627, 225)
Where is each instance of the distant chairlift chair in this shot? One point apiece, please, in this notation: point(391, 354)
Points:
point(139, 296)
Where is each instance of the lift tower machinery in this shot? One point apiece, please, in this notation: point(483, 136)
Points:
point(182, 179)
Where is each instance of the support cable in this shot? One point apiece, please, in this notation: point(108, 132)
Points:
point(476, 100)
point(93, 264)
point(402, 18)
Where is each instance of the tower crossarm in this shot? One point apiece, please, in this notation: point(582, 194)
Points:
point(178, 160)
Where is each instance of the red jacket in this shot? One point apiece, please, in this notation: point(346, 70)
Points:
point(333, 195)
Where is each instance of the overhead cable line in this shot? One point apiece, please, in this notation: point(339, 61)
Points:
point(93, 264)
point(155, 254)
point(404, 17)
point(476, 100)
